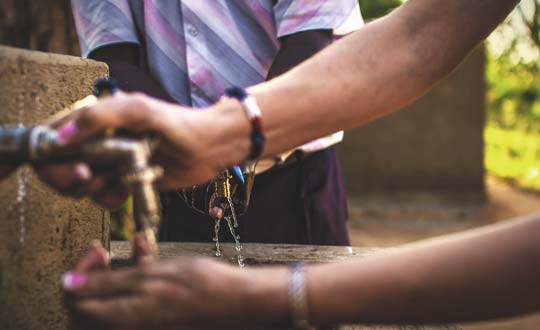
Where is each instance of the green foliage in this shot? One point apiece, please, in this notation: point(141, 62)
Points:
point(513, 92)
point(513, 128)
point(376, 8)
point(513, 154)
point(122, 226)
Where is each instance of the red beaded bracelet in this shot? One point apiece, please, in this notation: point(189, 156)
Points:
point(253, 112)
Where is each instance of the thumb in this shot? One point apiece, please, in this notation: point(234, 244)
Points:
point(141, 250)
point(135, 112)
point(97, 258)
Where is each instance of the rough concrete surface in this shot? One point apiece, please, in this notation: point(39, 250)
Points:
point(41, 234)
point(433, 145)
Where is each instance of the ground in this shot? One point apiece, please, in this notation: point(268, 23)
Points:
point(379, 221)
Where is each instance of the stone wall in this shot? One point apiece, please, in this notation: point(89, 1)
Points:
point(41, 233)
point(435, 145)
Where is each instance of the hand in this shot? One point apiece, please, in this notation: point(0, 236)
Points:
point(77, 179)
point(190, 293)
point(165, 295)
point(188, 151)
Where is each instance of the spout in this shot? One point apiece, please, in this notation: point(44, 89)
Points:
point(20, 145)
point(37, 145)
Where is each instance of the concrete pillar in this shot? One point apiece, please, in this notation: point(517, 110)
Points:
point(435, 145)
point(41, 233)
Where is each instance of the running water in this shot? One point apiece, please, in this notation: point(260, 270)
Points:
point(216, 237)
point(21, 181)
point(238, 245)
point(21, 201)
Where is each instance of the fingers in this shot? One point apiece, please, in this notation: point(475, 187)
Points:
point(141, 250)
point(97, 258)
point(122, 312)
point(78, 180)
point(63, 117)
point(66, 178)
point(133, 111)
point(216, 213)
point(103, 284)
point(112, 196)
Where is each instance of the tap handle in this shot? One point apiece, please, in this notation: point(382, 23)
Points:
point(105, 86)
point(14, 145)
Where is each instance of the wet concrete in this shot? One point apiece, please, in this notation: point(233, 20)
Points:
point(267, 254)
point(56, 231)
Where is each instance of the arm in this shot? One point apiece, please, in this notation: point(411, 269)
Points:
point(373, 72)
point(476, 275)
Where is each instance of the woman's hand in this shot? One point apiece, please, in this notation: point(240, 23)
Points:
point(190, 293)
point(194, 145)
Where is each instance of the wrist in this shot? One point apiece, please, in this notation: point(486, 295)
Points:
point(266, 295)
point(229, 134)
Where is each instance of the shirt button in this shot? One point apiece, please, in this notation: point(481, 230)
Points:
point(199, 92)
point(193, 31)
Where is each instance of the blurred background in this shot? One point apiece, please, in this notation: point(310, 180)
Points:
point(466, 155)
point(455, 154)
point(459, 153)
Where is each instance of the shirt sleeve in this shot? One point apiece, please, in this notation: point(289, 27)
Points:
point(103, 22)
point(292, 16)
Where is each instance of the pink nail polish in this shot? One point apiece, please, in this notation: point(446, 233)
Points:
point(83, 172)
point(66, 132)
point(73, 280)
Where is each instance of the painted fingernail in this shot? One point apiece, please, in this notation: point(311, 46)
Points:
point(216, 212)
point(83, 172)
point(74, 281)
point(66, 132)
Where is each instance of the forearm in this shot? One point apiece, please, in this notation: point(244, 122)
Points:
point(483, 274)
point(375, 71)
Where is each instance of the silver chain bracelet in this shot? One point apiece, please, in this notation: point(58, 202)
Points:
point(298, 298)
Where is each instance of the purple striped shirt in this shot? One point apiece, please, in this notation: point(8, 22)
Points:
point(197, 48)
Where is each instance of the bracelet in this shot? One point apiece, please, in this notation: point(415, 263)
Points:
point(298, 298)
point(253, 112)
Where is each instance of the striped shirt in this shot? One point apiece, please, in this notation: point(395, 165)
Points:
point(197, 48)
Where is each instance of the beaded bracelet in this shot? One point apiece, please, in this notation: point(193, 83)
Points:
point(253, 112)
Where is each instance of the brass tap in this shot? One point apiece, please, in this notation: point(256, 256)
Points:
point(38, 145)
point(131, 154)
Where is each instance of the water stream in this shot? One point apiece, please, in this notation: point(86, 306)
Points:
point(216, 237)
point(22, 181)
point(238, 245)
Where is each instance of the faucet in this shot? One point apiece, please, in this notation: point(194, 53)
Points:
point(39, 145)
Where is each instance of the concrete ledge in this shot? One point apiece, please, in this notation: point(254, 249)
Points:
point(41, 233)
